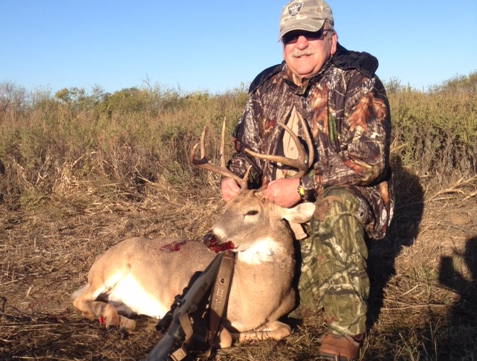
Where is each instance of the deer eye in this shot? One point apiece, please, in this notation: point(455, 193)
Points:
point(252, 213)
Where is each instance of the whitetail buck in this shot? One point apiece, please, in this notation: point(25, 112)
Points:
point(142, 276)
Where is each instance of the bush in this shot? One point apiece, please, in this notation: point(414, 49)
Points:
point(435, 133)
point(52, 146)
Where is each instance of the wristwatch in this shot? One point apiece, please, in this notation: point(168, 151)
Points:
point(306, 188)
point(301, 190)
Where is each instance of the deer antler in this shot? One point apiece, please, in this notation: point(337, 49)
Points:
point(204, 163)
point(303, 162)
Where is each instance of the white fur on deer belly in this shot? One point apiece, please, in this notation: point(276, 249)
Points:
point(130, 292)
point(261, 252)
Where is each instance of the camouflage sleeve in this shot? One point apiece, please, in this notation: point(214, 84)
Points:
point(247, 135)
point(363, 136)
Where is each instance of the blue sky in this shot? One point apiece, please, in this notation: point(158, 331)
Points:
point(217, 45)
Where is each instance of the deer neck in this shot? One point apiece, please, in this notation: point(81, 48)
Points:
point(277, 247)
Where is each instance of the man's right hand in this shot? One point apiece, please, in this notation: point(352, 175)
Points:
point(229, 188)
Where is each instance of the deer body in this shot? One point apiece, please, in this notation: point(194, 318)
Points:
point(140, 276)
point(143, 276)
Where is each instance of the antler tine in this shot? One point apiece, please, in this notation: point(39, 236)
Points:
point(222, 146)
point(204, 163)
point(303, 162)
point(202, 144)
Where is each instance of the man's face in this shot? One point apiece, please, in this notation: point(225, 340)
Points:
point(306, 52)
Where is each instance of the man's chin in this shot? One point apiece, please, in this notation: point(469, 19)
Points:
point(305, 74)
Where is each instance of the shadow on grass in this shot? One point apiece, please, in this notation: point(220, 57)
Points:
point(408, 210)
point(464, 310)
point(457, 340)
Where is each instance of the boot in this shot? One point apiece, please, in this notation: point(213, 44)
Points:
point(340, 348)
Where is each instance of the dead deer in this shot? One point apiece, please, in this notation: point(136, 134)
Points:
point(142, 276)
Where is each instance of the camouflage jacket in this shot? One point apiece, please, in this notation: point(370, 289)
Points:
point(347, 113)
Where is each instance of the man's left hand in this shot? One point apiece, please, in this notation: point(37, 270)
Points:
point(283, 192)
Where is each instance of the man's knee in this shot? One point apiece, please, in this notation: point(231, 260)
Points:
point(335, 201)
point(338, 213)
point(337, 232)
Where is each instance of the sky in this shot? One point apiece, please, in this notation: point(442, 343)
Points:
point(218, 45)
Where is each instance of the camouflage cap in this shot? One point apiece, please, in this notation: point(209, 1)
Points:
point(308, 15)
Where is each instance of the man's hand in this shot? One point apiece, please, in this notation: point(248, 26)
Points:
point(283, 192)
point(229, 188)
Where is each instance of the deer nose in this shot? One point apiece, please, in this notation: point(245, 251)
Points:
point(209, 239)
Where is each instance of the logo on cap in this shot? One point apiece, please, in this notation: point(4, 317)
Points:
point(294, 8)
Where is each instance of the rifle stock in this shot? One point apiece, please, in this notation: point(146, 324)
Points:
point(164, 348)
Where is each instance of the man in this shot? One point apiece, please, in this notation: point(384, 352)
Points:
point(346, 111)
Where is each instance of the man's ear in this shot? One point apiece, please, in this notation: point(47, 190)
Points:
point(301, 213)
point(334, 43)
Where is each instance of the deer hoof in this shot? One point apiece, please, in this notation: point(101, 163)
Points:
point(127, 323)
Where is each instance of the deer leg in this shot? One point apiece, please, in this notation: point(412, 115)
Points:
point(99, 310)
point(275, 330)
point(225, 338)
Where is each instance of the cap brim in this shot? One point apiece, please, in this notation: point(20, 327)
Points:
point(297, 26)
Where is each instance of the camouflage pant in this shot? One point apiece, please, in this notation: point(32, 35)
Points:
point(333, 273)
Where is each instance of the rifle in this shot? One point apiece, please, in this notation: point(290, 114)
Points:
point(181, 327)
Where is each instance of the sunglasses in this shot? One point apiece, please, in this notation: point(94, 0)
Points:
point(292, 37)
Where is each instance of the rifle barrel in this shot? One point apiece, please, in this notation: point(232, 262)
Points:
point(162, 350)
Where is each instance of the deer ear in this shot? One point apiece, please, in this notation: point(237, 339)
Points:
point(259, 195)
point(264, 183)
point(301, 213)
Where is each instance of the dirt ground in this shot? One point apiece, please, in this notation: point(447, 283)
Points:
point(424, 275)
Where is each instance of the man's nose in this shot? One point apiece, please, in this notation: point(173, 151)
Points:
point(302, 42)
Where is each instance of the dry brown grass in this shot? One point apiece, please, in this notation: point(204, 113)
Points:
point(424, 275)
point(78, 177)
point(46, 254)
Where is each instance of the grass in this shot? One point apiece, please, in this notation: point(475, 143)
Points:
point(80, 172)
